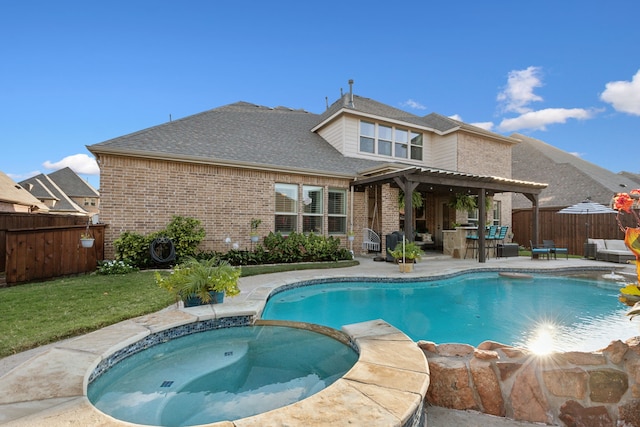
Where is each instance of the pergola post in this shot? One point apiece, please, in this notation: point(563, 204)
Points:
point(482, 219)
point(407, 187)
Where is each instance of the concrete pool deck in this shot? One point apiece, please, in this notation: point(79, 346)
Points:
point(45, 386)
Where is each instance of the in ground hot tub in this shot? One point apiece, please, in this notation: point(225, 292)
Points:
point(221, 374)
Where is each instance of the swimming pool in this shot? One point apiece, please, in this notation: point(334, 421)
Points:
point(222, 374)
point(557, 312)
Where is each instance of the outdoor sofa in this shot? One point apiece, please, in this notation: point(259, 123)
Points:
point(612, 250)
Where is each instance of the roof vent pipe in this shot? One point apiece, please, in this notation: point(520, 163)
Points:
point(351, 93)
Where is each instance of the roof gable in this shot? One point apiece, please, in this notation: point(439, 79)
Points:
point(71, 184)
point(44, 188)
point(11, 192)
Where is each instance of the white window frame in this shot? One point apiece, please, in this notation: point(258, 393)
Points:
point(409, 147)
point(291, 191)
point(341, 216)
point(308, 205)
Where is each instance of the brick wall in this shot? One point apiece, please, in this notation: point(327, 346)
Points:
point(141, 195)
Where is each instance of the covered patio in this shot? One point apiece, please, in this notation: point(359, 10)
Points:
point(440, 183)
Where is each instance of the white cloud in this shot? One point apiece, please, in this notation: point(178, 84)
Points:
point(538, 120)
point(624, 96)
point(79, 163)
point(483, 125)
point(413, 104)
point(457, 117)
point(519, 90)
point(575, 153)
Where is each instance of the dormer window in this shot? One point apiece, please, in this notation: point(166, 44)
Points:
point(390, 141)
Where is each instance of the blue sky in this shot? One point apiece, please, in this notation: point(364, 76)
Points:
point(76, 73)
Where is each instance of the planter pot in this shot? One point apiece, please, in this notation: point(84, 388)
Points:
point(351, 238)
point(193, 300)
point(87, 243)
point(405, 267)
point(255, 239)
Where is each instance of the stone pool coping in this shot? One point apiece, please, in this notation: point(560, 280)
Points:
point(48, 389)
point(386, 386)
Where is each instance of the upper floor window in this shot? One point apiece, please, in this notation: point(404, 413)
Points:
point(367, 137)
point(390, 141)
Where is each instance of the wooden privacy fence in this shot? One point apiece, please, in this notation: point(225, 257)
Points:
point(567, 230)
point(19, 221)
point(46, 252)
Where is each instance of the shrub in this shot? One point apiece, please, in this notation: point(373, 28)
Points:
point(186, 233)
point(133, 248)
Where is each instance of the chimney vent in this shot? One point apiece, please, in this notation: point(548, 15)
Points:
point(351, 94)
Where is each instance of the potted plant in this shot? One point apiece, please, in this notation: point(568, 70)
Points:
point(351, 235)
point(255, 223)
point(86, 239)
point(406, 254)
point(198, 282)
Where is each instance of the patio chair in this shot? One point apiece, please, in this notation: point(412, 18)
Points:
point(555, 250)
point(370, 240)
point(499, 234)
point(539, 251)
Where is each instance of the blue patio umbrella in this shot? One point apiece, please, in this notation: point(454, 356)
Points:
point(587, 207)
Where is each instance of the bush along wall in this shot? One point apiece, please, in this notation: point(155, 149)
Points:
point(187, 233)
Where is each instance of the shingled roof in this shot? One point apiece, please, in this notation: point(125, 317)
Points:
point(433, 122)
point(72, 184)
point(570, 178)
point(13, 193)
point(42, 187)
point(240, 134)
point(251, 135)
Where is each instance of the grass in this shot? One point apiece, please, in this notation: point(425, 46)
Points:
point(36, 314)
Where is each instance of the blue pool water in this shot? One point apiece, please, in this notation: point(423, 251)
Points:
point(563, 313)
point(222, 374)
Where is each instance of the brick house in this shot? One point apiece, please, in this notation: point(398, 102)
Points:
point(64, 192)
point(15, 198)
point(298, 171)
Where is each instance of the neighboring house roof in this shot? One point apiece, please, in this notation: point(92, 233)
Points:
point(570, 178)
point(635, 177)
point(71, 184)
point(13, 193)
point(43, 187)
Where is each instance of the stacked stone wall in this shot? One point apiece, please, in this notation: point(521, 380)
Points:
point(573, 389)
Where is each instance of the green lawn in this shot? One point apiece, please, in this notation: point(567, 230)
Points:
point(41, 313)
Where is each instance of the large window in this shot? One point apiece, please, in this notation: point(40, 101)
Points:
point(367, 137)
point(416, 146)
point(286, 208)
point(312, 200)
point(385, 140)
point(390, 141)
point(337, 211)
point(312, 211)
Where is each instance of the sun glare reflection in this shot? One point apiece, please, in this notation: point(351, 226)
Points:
point(544, 338)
